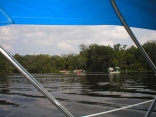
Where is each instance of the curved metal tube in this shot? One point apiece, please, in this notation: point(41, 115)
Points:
point(6, 15)
point(140, 48)
point(133, 36)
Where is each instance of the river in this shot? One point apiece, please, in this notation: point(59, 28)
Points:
point(80, 95)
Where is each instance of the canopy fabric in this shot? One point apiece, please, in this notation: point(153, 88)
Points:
point(137, 13)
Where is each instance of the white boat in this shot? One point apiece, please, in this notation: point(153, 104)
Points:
point(111, 70)
point(114, 72)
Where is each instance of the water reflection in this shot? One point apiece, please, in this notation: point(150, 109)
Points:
point(81, 95)
point(114, 78)
point(4, 84)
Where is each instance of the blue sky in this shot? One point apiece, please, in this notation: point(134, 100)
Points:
point(58, 40)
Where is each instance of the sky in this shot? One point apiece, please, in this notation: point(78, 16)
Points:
point(59, 40)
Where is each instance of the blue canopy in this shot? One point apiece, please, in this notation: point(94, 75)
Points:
point(137, 13)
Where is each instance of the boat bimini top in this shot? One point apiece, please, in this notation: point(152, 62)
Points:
point(129, 13)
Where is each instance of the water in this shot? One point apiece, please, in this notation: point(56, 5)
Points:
point(81, 95)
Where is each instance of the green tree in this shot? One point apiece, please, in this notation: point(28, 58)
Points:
point(119, 55)
point(134, 58)
point(99, 57)
point(150, 48)
point(5, 66)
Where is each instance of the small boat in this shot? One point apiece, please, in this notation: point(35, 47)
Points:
point(111, 70)
point(114, 72)
point(81, 72)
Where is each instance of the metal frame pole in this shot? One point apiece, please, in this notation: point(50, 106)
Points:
point(133, 36)
point(34, 82)
point(150, 109)
point(140, 48)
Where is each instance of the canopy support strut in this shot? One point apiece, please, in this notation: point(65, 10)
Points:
point(7, 16)
point(140, 48)
point(34, 82)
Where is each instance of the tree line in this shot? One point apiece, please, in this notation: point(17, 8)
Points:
point(92, 58)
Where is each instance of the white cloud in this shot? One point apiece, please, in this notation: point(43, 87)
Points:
point(106, 43)
point(7, 47)
point(8, 36)
point(37, 38)
point(119, 32)
point(25, 41)
point(148, 37)
point(64, 45)
point(85, 41)
point(35, 35)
